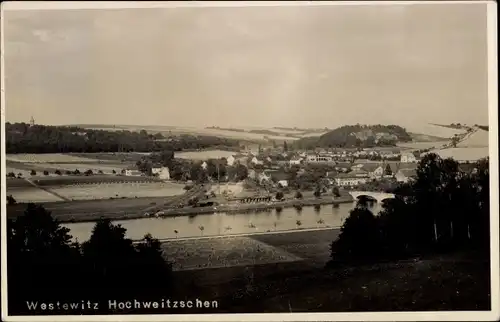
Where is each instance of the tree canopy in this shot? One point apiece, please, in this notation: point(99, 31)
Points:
point(22, 138)
point(444, 209)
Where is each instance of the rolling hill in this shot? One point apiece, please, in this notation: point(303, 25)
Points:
point(357, 136)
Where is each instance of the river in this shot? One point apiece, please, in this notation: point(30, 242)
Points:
point(227, 224)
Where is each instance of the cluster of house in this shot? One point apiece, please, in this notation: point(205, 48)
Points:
point(269, 166)
point(345, 174)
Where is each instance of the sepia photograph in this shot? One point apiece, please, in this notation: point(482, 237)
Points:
point(239, 161)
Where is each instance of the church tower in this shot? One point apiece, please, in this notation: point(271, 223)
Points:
point(32, 121)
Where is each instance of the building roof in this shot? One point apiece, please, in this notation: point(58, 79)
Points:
point(370, 167)
point(350, 175)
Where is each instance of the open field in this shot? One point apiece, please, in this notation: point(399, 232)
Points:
point(479, 138)
point(453, 282)
point(223, 252)
point(122, 157)
point(32, 194)
point(55, 180)
point(422, 145)
point(92, 209)
point(463, 154)
point(177, 130)
point(433, 130)
point(204, 155)
point(47, 158)
point(119, 190)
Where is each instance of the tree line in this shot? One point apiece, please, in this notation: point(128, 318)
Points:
point(23, 138)
point(443, 209)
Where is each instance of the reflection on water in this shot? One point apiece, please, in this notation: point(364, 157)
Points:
point(224, 224)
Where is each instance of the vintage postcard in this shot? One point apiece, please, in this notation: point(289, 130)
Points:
point(249, 161)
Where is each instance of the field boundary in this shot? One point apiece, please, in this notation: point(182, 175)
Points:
point(277, 232)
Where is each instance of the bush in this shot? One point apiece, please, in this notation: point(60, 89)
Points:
point(58, 172)
point(317, 193)
point(33, 173)
point(298, 195)
point(88, 172)
point(114, 172)
point(67, 172)
point(279, 195)
point(100, 172)
point(11, 175)
point(45, 173)
point(76, 172)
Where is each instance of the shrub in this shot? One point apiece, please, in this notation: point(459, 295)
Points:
point(45, 173)
point(33, 172)
point(298, 195)
point(279, 195)
point(58, 172)
point(11, 175)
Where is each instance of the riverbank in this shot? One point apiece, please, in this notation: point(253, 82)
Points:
point(134, 208)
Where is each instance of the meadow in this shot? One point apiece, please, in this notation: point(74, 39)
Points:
point(204, 155)
point(118, 190)
point(479, 138)
point(48, 158)
point(433, 130)
point(463, 154)
point(31, 194)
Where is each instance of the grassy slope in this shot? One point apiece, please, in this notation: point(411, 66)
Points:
point(431, 284)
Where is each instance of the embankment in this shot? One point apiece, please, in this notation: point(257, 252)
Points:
point(127, 209)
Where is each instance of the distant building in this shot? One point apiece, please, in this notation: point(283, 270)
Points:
point(162, 172)
point(132, 172)
point(319, 159)
point(204, 165)
point(230, 160)
point(375, 170)
point(32, 121)
point(350, 179)
point(257, 161)
point(296, 161)
point(408, 158)
point(405, 175)
point(281, 178)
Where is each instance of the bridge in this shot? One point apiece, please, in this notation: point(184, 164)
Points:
point(379, 196)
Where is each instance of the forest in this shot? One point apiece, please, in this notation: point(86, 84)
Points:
point(23, 138)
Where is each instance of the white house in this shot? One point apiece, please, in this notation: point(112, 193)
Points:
point(230, 160)
point(296, 161)
point(319, 159)
point(133, 172)
point(162, 173)
point(349, 179)
point(408, 158)
point(256, 161)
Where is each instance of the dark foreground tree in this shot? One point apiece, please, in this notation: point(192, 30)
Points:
point(44, 263)
point(350, 245)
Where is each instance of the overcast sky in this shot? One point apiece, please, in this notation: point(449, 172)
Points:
point(261, 66)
